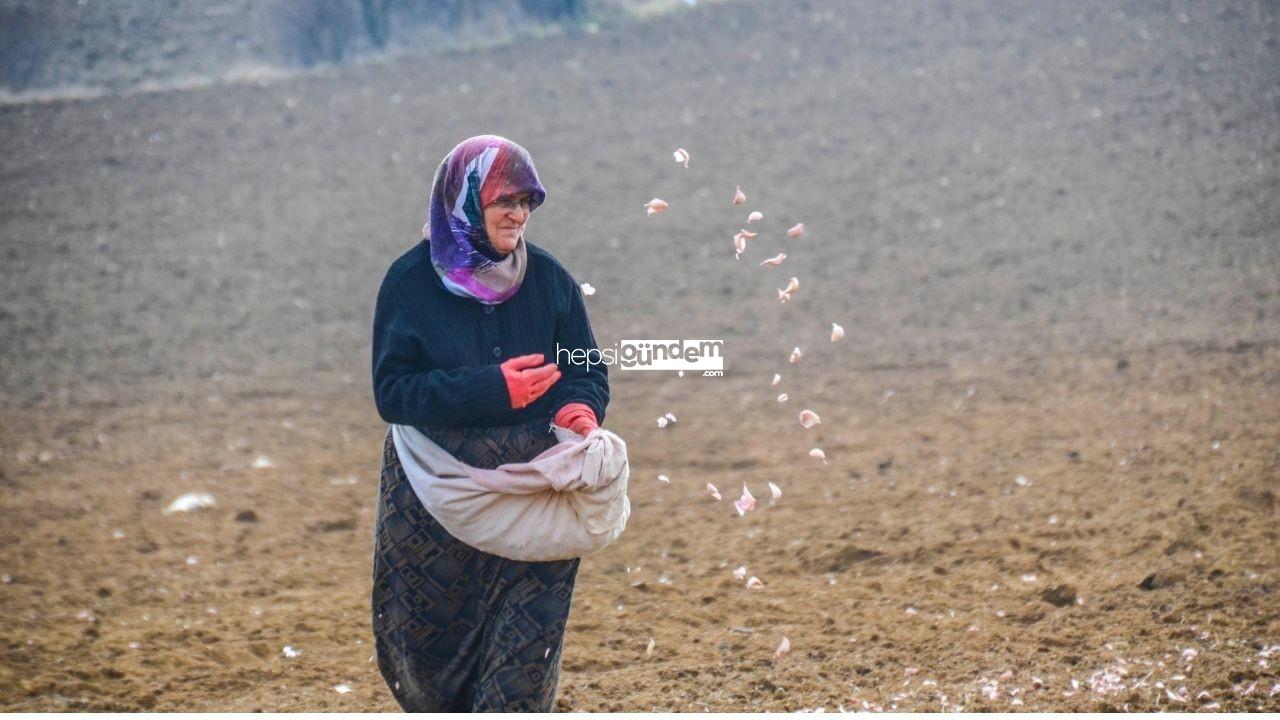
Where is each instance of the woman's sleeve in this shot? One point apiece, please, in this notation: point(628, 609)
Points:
point(409, 392)
point(579, 383)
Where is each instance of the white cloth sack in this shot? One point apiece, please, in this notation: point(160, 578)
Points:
point(568, 501)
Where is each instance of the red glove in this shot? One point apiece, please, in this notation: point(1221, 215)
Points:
point(527, 378)
point(578, 417)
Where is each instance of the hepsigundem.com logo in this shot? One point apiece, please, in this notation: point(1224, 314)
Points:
point(706, 356)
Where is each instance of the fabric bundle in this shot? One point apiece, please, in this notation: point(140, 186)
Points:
point(569, 501)
point(474, 174)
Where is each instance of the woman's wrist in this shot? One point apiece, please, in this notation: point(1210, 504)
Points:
point(578, 417)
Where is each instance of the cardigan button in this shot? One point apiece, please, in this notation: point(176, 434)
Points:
point(497, 351)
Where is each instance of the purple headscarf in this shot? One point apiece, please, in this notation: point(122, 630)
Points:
point(474, 174)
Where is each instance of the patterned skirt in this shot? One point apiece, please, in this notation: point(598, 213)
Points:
point(457, 629)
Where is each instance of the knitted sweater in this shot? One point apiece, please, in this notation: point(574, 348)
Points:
point(436, 355)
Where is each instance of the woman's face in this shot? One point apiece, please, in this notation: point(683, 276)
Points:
point(504, 221)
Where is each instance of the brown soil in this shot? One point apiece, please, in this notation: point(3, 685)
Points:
point(1050, 233)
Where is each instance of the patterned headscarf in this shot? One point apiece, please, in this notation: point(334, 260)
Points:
point(474, 174)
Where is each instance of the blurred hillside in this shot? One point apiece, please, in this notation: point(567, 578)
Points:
point(52, 48)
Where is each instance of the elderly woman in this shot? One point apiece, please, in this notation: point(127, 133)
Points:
point(465, 326)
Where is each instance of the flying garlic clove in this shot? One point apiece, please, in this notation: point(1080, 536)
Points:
point(775, 260)
point(662, 422)
point(818, 454)
point(648, 649)
point(738, 196)
point(682, 156)
point(713, 492)
point(670, 417)
point(795, 356)
point(747, 234)
point(655, 206)
point(775, 492)
point(784, 648)
point(754, 216)
point(739, 245)
point(809, 418)
point(776, 379)
point(587, 289)
point(795, 231)
point(783, 296)
point(792, 286)
point(664, 479)
point(782, 398)
point(746, 503)
point(754, 583)
point(740, 572)
point(837, 332)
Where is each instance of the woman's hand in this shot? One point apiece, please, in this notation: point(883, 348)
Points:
point(527, 378)
point(578, 417)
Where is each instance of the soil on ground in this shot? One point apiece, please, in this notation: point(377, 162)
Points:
point(1050, 233)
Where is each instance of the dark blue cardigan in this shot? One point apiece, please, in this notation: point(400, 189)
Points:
point(436, 355)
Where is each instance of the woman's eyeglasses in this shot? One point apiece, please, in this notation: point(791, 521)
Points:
point(511, 203)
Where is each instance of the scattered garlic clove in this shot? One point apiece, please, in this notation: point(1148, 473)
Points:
point(775, 260)
point(739, 245)
point(713, 492)
point(809, 418)
point(795, 356)
point(682, 156)
point(587, 289)
point(775, 492)
point(837, 332)
point(783, 296)
point(670, 417)
point(782, 398)
point(776, 379)
point(662, 422)
point(795, 231)
point(740, 572)
point(746, 503)
point(664, 479)
point(818, 454)
point(754, 216)
point(754, 583)
point(792, 286)
point(738, 196)
point(655, 206)
point(784, 649)
point(747, 234)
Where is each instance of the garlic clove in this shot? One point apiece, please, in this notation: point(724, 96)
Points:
point(738, 196)
point(809, 418)
point(784, 649)
point(655, 206)
point(795, 231)
point(746, 503)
